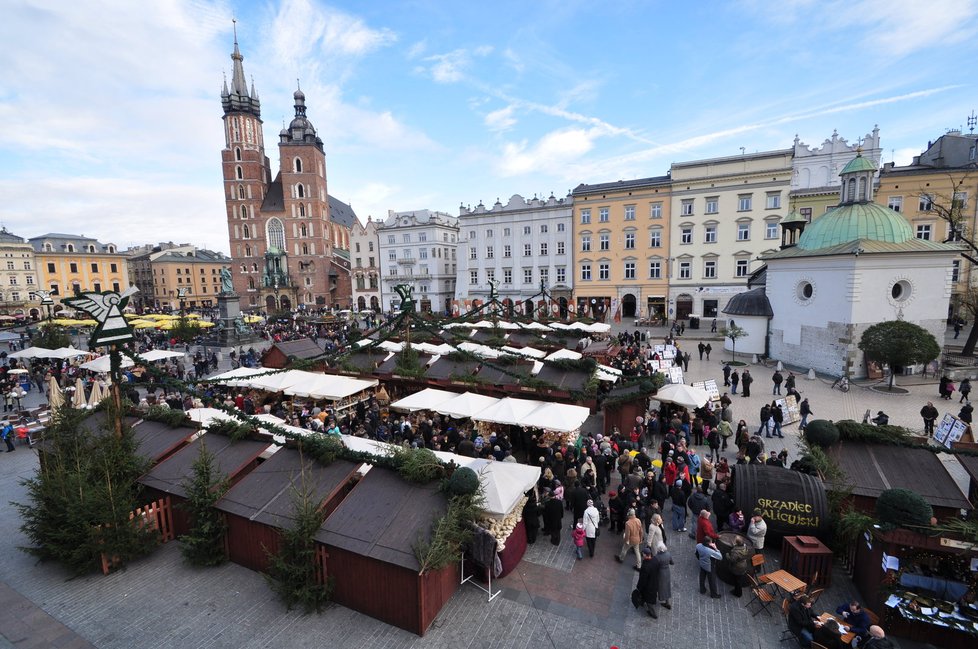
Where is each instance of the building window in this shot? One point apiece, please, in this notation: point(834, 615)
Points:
point(771, 230)
point(527, 275)
point(543, 250)
point(955, 270)
point(544, 229)
point(685, 269)
point(94, 268)
point(560, 247)
point(526, 230)
point(29, 279)
point(742, 268)
point(806, 213)
point(507, 276)
point(490, 253)
point(545, 275)
point(655, 239)
point(629, 212)
point(712, 204)
point(926, 203)
point(560, 227)
point(506, 232)
point(489, 234)
point(586, 272)
point(392, 255)
point(490, 274)
point(585, 216)
point(603, 214)
point(960, 200)
point(743, 232)
point(604, 270)
point(73, 267)
point(629, 270)
point(655, 270)
point(527, 250)
point(391, 240)
point(586, 243)
point(686, 209)
point(629, 241)
point(710, 234)
point(710, 269)
point(655, 210)
point(923, 231)
point(507, 251)
point(604, 241)
point(10, 265)
point(370, 247)
point(561, 275)
point(773, 200)
point(406, 237)
point(895, 203)
point(97, 287)
point(744, 202)
point(686, 235)
point(472, 253)
point(423, 253)
point(473, 277)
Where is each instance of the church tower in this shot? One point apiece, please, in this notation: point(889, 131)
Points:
point(247, 174)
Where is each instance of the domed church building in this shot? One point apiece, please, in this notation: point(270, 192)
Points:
point(857, 265)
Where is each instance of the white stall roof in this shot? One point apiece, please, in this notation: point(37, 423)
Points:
point(508, 411)
point(427, 399)
point(466, 404)
point(557, 416)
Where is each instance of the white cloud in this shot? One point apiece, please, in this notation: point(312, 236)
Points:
point(550, 154)
point(513, 60)
point(501, 120)
point(449, 67)
point(417, 49)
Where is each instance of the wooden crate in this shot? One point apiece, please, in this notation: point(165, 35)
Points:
point(808, 559)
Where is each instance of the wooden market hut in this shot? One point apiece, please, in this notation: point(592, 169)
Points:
point(165, 480)
point(621, 407)
point(282, 354)
point(368, 543)
point(261, 504)
point(871, 469)
point(441, 371)
point(157, 441)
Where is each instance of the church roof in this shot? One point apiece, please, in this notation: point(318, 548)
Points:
point(750, 303)
point(866, 246)
point(859, 163)
point(855, 221)
point(341, 213)
point(794, 216)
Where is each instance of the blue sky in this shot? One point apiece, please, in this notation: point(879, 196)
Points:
point(111, 110)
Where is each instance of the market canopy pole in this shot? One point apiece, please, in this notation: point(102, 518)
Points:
point(112, 331)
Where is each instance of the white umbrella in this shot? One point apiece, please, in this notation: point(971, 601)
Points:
point(562, 354)
point(538, 326)
point(56, 398)
point(64, 352)
point(159, 354)
point(18, 370)
point(558, 416)
point(78, 400)
point(97, 395)
point(104, 363)
point(31, 352)
point(683, 395)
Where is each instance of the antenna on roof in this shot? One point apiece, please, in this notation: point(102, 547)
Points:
point(972, 121)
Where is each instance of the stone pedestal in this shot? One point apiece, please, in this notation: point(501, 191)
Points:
point(231, 330)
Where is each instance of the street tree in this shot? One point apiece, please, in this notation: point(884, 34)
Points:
point(899, 343)
point(734, 333)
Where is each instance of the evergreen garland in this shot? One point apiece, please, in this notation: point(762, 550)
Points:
point(203, 545)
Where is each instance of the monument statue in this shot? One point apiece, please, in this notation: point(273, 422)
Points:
point(227, 286)
point(404, 292)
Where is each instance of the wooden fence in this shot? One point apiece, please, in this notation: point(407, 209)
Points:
point(156, 516)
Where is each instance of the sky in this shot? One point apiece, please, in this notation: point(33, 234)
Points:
point(110, 110)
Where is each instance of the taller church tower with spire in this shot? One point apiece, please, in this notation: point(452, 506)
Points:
point(286, 249)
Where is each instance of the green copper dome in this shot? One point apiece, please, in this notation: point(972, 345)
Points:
point(859, 163)
point(794, 216)
point(853, 222)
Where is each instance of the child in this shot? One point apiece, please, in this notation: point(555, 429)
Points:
point(578, 536)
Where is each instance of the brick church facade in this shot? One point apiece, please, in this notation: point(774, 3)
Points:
point(290, 240)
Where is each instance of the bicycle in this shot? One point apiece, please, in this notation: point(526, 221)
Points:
point(842, 383)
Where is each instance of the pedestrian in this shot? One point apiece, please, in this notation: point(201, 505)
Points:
point(531, 516)
point(949, 389)
point(765, 417)
point(713, 328)
point(553, 512)
point(746, 380)
point(592, 526)
point(929, 414)
point(965, 414)
point(805, 410)
point(578, 536)
point(777, 378)
point(665, 575)
point(8, 436)
point(632, 539)
point(964, 389)
point(726, 376)
point(708, 555)
point(777, 418)
point(648, 580)
point(801, 620)
point(957, 328)
point(713, 439)
point(702, 348)
point(686, 359)
point(734, 381)
point(737, 558)
point(708, 349)
point(678, 497)
point(725, 432)
point(757, 530)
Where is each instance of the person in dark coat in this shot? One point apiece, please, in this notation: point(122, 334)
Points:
point(531, 516)
point(726, 376)
point(553, 513)
point(578, 500)
point(734, 381)
point(745, 381)
point(801, 620)
point(648, 580)
point(965, 414)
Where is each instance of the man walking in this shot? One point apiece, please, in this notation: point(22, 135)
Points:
point(708, 555)
point(702, 348)
point(929, 414)
point(746, 380)
point(777, 379)
point(632, 539)
point(726, 376)
point(648, 581)
point(805, 410)
point(708, 349)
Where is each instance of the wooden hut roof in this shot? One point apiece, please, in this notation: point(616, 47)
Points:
point(302, 349)
point(498, 376)
point(564, 379)
point(390, 365)
point(99, 421)
point(970, 464)
point(168, 476)
point(266, 494)
point(366, 361)
point(383, 517)
point(444, 369)
point(155, 440)
point(871, 469)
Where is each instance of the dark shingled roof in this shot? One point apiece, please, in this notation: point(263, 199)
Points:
point(302, 349)
point(445, 368)
point(970, 464)
point(622, 184)
point(872, 469)
point(274, 198)
point(388, 366)
point(564, 379)
point(155, 440)
point(229, 457)
point(383, 517)
point(341, 213)
point(496, 376)
point(753, 302)
point(265, 494)
point(365, 361)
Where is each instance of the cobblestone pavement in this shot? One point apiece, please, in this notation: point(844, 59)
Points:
point(550, 600)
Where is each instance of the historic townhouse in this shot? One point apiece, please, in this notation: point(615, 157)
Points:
point(943, 176)
point(524, 248)
point(365, 251)
point(622, 237)
point(21, 278)
point(186, 279)
point(725, 213)
point(69, 264)
point(418, 250)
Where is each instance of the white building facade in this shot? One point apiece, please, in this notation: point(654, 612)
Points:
point(365, 265)
point(815, 170)
point(524, 247)
point(725, 213)
point(418, 248)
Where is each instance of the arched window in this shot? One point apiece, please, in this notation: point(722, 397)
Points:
point(297, 165)
point(237, 153)
point(302, 209)
point(300, 191)
point(48, 247)
point(305, 249)
point(247, 251)
point(111, 249)
point(245, 232)
point(244, 269)
point(851, 190)
point(862, 188)
point(238, 173)
point(302, 230)
point(70, 247)
point(241, 192)
point(251, 283)
point(254, 268)
point(276, 235)
point(244, 211)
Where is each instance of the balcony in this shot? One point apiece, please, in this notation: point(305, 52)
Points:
point(407, 261)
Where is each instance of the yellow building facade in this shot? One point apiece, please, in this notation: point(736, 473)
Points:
point(69, 264)
point(621, 248)
point(191, 277)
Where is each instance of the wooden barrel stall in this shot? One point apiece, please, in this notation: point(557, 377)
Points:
point(792, 503)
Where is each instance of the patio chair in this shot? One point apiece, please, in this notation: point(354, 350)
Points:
point(815, 594)
point(761, 595)
point(757, 562)
point(786, 634)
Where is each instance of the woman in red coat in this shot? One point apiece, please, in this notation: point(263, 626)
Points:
point(704, 527)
